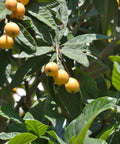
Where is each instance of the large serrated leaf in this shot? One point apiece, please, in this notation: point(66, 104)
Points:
point(25, 40)
point(36, 127)
point(54, 135)
point(9, 113)
point(85, 39)
point(23, 138)
point(80, 125)
point(43, 15)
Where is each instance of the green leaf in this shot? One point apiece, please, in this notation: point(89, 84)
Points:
point(36, 127)
point(75, 48)
point(58, 122)
point(25, 40)
point(80, 125)
point(94, 141)
point(85, 39)
point(5, 67)
point(17, 127)
point(110, 13)
point(88, 86)
point(43, 15)
point(107, 133)
point(41, 33)
point(28, 116)
point(10, 114)
point(115, 59)
point(54, 135)
point(27, 69)
point(7, 136)
point(116, 75)
point(3, 11)
point(39, 51)
point(23, 138)
point(75, 53)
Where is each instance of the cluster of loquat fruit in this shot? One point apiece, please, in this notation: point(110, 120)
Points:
point(61, 77)
point(11, 29)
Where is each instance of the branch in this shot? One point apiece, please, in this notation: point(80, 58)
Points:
point(104, 53)
point(81, 19)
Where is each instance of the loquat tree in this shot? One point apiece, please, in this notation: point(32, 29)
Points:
point(59, 72)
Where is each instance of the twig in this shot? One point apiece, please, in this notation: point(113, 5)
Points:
point(81, 19)
point(101, 70)
point(27, 99)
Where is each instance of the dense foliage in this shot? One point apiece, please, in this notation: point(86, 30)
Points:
point(82, 38)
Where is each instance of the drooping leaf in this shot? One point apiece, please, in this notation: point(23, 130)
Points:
point(39, 51)
point(43, 15)
point(23, 138)
point(10, 114)
point(80, 125)
point(36, 127)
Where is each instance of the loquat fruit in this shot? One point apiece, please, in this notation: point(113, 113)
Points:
point(61, 77)
point(12, 29)
point(11, 4)
point(24, 2)
point(19, 11)
point(51, 69)
point(72, 86)
point(6, 42)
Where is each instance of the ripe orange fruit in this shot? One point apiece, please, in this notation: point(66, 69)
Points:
point(11, 4)
point(24, 2)
point(72, 86)
point(61, 77)
point(51, 69)
point(6, 42)
point(19, 11)
point(12, 29)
